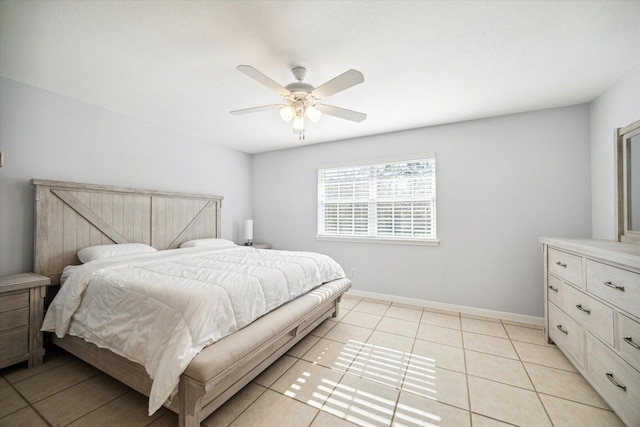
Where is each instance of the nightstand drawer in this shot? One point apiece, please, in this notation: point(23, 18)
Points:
point(566, 266)
point(13, 319)
point(14, 301)
point(14, 343)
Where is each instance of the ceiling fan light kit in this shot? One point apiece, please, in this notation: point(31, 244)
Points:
point(313, 114)
point(301, 99)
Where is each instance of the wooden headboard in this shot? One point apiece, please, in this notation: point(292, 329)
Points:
point(70, 216)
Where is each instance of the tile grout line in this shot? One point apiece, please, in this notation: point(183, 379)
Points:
point(532, 383)
point(35, 373)
point(367, 379)
point(466, 375)
point(406, 369)
point(248, 406)
point(30, 405)
point(108, 402)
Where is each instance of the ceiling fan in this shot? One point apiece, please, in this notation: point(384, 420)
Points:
point(301, 99)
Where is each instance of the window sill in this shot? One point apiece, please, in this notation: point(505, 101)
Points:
point(379, 240)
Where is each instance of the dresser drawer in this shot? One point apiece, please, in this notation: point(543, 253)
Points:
point(13, 319)
point(554, 287)
point(14, 343)
point(566, 333)
point(14, 301)
point(629, 338)
point(619, 287)
point(605, 368)
point(566, 266)
point(594, 315)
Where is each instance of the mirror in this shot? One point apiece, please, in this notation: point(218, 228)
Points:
point(628, 162)
point(633, 186)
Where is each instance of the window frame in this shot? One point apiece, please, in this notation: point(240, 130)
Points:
point(379, 239)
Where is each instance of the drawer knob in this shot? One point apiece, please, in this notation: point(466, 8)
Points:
point(552, 288)
point(629, 341)
point(561, 329)
point(561, 264)
point(613, 380)
point(586, 310)
point(611, 285)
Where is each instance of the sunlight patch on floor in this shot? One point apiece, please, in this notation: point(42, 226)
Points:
point(362, 395)
point(411, 416)
point(360, 406)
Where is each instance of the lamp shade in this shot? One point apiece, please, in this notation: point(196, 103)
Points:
point(287, 113)
point(248, 229)
point(298, 122)
point(314, 114)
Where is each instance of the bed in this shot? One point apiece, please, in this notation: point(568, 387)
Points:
point(72, 216)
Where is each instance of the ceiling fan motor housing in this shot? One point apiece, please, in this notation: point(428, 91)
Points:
point(299, 87)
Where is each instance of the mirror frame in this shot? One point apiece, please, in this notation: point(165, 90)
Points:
point(625, 234)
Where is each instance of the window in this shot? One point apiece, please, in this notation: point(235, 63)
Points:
point(392, 201)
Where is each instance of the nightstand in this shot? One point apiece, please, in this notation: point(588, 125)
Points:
point(262, 245)
point(21, 314)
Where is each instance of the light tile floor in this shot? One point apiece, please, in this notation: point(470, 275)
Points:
point(378, 364)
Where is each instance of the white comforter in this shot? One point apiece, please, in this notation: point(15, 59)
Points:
point(161, 309)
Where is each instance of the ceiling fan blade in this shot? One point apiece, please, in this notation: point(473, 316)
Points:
point(256, 109)
point(261, 78)
point(342, 113)
point(338, 84)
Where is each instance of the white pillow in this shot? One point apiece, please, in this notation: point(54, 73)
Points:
point(207, 242)
point(93, 253)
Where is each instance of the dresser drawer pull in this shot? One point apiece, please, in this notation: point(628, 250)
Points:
point(586, 310)
point(611, 285)
point(561, 264)
point(610, 376)
point(552, 288)
point(629, 341)
point(561, 329)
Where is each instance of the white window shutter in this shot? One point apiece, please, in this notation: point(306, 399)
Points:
point(386, 200)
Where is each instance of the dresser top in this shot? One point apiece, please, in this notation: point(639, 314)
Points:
point(608, 250)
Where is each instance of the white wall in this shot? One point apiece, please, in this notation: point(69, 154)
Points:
point(501, 184)
point(615, 108)
point(48, 136)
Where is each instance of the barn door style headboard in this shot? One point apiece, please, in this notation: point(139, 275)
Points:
point(70, 216)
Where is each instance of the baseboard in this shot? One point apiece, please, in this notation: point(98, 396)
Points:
point(521, 318)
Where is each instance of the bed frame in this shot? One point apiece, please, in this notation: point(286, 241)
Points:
point(70, 216)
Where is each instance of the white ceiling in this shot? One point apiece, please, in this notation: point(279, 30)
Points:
point(173, 63)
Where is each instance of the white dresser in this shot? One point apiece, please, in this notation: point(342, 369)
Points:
point(592, 313)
